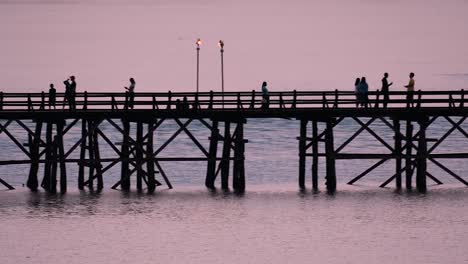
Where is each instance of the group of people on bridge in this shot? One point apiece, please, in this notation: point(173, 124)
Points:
point(361, 89)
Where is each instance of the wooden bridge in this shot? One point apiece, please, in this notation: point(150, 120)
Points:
point(224, 115)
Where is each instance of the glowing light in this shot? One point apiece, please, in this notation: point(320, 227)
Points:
point(199, 42)
point(221, 44)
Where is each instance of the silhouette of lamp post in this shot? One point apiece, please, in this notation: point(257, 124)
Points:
point(198, 42)
point(221, 46)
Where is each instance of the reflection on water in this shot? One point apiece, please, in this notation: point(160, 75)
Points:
point(265, 225)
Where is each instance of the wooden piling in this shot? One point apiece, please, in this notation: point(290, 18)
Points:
point(125, 177)
point(139, 155)
point(421, 158)
point(48, 156)
point(81, 165)
point(61, 157)
point(330, 157)
point(397, 153)
point(314, 155)
point(211, 167)
point(408, 162)
point(226, 156)
point(90, 148)
point(32, 182)
point(238, 178)
point(97, 157)
point(302, 153)
point(150, 159)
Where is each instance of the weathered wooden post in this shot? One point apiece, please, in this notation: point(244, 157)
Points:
point(61, 157)
point(91, 163)
point(238, 178)
point(302, 153)
point(421, 157)
point(139, 155)
point(150, 159)
point(46, 182)
point(408, 160)
point(252, 100)
point(314, 155)
point(125, 177)
point(397, 152)
point(81, 165)
point(226, 156)
point(97, 156)
point(53, 170)
point(32, 182)
point(211, 167)
point(330, 157)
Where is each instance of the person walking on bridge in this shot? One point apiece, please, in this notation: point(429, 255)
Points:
point(356, 92)
point(363, 90)
point(52, 96)
point(265, 96)
point(70, 93)
point(410, 87)
point(385, 90)
point(131, 93)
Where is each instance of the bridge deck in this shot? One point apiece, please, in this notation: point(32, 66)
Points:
point(147, 111)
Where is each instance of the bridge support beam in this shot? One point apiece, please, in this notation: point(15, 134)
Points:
point(397, 153)
point(314, 155)
point(238, 178)
point(408, 161)
point(34, 146)
point(150, 159)
point(226, 156)
point(302, 153)
point(421, 162)
point(125, 156)
point(330, 157)
point(213, 148)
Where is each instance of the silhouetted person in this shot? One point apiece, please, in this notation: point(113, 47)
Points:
point(410, 87)
point(52, 96)
point(385, 90)
point(265, 96)
point(363, 90)
point(70, 92)
point(356, 91)
point(131, 93)
point(67, 94)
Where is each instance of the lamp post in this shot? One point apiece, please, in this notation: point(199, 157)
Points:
point(221, 45)
point(198, 42)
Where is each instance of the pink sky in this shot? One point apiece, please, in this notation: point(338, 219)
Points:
point(304, 45)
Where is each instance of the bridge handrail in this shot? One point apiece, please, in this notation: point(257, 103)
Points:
point(231, 100)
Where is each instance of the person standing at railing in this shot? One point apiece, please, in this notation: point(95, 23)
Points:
point(410, 87)
point(385, 90)
point(356, 92)
point(70, 93)
point(52, 96)
point(131, 93)
point(265, 96)
point(363, 90)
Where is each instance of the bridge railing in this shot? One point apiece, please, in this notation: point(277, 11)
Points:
point(85, 101)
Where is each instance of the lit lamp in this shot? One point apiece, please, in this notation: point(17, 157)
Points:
point(221, 46)
point(198, 42)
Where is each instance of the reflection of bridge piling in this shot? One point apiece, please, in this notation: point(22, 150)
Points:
point(140, 161)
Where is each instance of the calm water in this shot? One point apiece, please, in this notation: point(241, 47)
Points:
point(295, 45)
